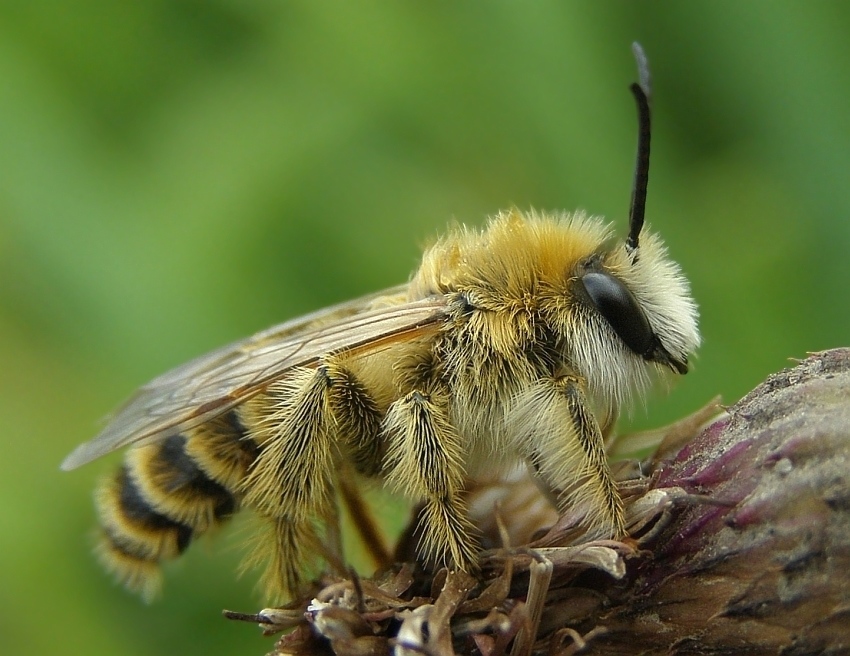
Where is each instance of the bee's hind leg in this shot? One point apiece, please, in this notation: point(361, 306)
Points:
point(357, 421)
point(310, 426)
point(291, 483)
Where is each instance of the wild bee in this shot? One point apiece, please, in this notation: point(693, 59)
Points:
point(518, 343)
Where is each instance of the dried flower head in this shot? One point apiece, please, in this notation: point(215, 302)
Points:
point(740, 544)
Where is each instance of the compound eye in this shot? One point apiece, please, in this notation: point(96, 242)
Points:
point(620, 309)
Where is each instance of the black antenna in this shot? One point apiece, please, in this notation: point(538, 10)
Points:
point(642, 91)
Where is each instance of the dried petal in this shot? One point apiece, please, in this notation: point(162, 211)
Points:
point(744, 538)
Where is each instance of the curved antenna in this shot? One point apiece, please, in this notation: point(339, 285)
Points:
point(642, 91)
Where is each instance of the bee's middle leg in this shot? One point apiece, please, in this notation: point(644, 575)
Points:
point(425, 461)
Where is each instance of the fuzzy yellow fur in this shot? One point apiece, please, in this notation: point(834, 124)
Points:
point(520, 368)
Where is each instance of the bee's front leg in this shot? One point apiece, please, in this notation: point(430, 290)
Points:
point(559, 436)
point(425, 460)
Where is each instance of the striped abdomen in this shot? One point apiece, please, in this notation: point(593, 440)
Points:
point(167, 494)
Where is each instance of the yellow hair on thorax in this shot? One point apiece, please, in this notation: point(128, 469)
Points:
point(517, 262)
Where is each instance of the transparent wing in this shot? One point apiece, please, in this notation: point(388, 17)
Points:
point(216, 382)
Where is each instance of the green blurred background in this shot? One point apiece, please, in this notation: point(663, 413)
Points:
point(178, 174)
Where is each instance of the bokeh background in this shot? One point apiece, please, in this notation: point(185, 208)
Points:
point(176, 174)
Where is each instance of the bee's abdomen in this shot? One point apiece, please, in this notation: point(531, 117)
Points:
point(167, 494)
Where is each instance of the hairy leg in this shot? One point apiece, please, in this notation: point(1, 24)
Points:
point(311, 427)
point(425, 462)
point(558, 435)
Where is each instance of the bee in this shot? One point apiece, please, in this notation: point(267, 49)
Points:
point(516, 343)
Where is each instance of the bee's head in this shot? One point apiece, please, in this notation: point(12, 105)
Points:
point(632, 296)
point(656, 339)
point(629, 317)
point(644, 301)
